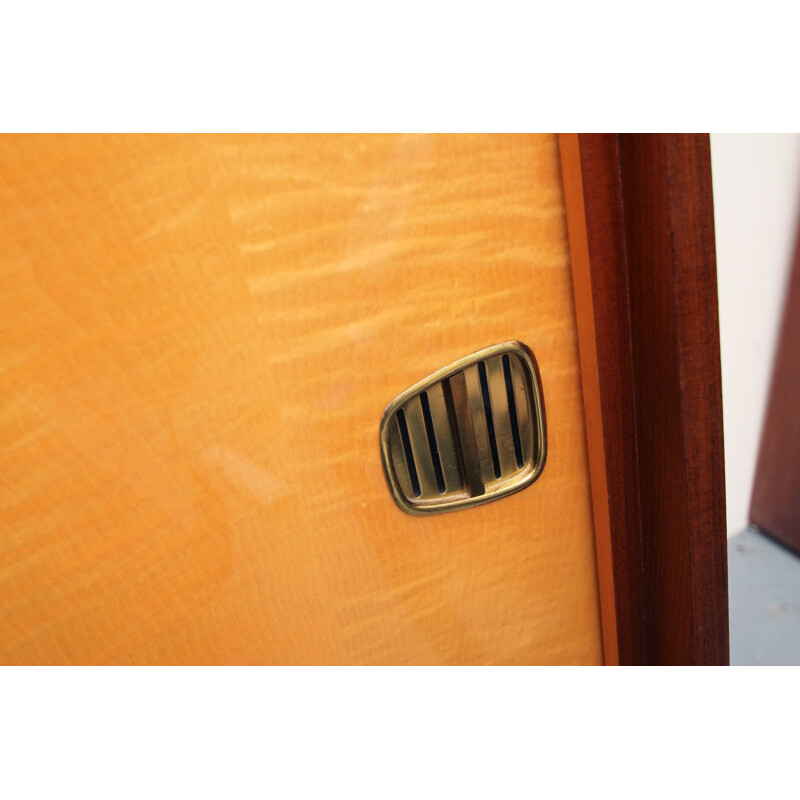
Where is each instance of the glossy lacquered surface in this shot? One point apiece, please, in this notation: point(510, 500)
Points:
point(198, 338)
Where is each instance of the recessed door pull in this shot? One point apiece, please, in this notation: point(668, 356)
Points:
point(468, 434)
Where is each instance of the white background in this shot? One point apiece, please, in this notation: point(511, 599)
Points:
point(756, 208)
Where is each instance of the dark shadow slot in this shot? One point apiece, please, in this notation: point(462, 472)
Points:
point(412, 467)
point(487, 410)
point(434, 447)
point(512, 409)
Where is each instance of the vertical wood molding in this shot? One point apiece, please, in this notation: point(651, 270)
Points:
point(641, 232)
point(597, 246)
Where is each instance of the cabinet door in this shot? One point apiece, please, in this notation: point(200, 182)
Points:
point(198, 338)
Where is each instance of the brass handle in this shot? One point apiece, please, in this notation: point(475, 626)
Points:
point(468, 434)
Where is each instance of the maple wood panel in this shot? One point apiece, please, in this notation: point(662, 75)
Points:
point(198, 337)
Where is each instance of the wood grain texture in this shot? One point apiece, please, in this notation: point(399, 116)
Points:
point(198, 338)
point(775, 505)
point(642, 240)
point(597, 247)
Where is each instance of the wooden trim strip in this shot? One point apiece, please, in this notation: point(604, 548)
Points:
point(640, 220)
point(587, 343)
point(597, 245)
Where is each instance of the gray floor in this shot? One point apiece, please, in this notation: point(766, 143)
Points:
point(764, 596)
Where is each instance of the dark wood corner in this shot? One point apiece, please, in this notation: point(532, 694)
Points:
point(641, 227)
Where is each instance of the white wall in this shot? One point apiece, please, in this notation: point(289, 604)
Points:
point(756, 207)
